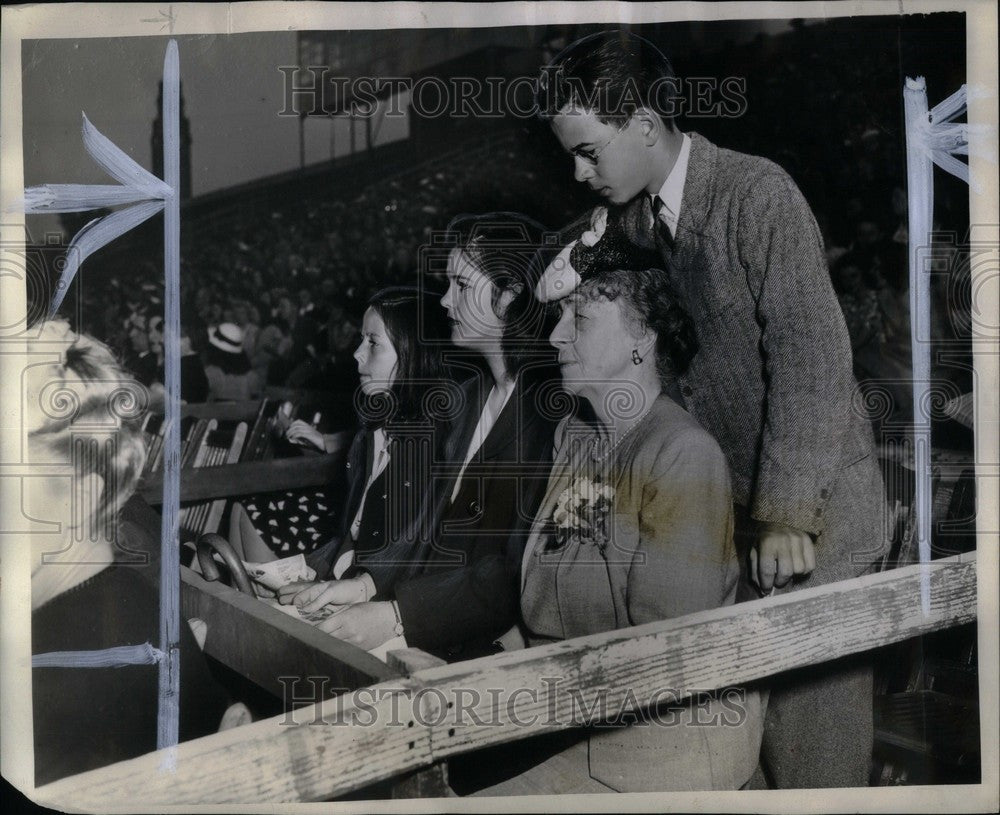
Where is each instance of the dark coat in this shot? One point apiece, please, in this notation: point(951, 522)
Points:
point(85, 718)
point(459, 588)
point(395, 502)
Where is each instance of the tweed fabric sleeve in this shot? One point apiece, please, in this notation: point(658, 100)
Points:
point(806, 352)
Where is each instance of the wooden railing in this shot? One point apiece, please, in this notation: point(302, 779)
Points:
point(248, 477)
point(250, 637)
point(395, 727)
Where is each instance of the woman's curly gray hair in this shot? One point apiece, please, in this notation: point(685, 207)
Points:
point(615, 267)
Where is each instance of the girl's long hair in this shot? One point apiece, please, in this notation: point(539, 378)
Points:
point(416, 326)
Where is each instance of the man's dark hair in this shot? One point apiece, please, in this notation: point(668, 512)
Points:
point(612, 73)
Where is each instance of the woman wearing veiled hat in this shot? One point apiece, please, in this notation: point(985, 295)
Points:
point(636, 525)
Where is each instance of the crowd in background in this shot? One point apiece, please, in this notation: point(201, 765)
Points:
point(289, 282)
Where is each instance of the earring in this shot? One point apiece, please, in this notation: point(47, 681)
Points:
point(636, 359)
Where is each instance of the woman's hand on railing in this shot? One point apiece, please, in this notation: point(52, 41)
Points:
point(305, 435)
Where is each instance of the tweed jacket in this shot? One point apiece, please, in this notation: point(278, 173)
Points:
point(670, 553)
point(772, 379)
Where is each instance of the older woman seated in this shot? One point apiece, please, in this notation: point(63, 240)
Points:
point(81, 413)
point(636, 526)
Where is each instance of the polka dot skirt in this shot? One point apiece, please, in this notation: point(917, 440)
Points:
point(293, 522)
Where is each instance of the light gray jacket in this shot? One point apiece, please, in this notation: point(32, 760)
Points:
point(670, 553)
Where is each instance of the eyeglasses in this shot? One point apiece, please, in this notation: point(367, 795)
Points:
point(592, 156)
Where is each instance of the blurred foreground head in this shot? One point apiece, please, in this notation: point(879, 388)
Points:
point(81, 413)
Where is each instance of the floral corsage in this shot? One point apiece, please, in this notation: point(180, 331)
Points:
point(581, 514)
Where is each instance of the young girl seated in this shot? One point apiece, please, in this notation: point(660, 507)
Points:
point(403, 383)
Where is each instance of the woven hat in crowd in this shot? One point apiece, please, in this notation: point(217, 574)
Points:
point(227, 337)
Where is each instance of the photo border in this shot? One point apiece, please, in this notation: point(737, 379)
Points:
point(85, 20)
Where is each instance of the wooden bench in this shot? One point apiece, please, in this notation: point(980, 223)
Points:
point(249, 478)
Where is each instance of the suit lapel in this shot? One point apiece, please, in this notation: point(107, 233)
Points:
point(461, 435)
point(643, 229)
point(559, 479)
point(508, 429)
point(361, 462)
point(696, 203)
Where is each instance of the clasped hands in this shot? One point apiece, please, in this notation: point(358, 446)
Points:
point(781, 553)
point(366, 625)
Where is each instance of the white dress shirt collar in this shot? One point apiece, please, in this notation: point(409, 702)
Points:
point(672, 191)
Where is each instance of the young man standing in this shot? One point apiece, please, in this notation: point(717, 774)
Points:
point(773, 378)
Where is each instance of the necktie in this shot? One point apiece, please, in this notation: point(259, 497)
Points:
point(658, 224)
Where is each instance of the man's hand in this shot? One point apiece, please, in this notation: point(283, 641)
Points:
point(366, 625)
point(330, 592)
point(781, 552)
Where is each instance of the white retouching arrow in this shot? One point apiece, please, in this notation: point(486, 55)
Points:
point(142, 191)
point(143, 195)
